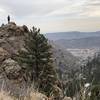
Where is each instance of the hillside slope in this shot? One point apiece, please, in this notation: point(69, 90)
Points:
point(12, 40)
point(63, 58)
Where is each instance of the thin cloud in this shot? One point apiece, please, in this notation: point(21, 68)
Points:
point(91, 9)
point(51, 13)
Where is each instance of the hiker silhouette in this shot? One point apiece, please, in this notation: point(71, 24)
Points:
point(8, 18)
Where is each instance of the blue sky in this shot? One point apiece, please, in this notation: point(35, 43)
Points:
point(53, 15)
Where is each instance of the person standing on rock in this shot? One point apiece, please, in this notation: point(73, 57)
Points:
point(8, 18)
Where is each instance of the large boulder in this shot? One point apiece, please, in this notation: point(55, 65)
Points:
point(12, 78)
point(11, 68)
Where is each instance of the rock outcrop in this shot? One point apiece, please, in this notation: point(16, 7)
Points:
point(11, 40)
point(11, 68)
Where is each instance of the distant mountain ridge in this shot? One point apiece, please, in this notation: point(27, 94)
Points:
point(71, 35)
point(89, 42)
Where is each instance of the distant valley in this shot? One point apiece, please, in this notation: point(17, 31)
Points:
point(83, 48)
point(88, 42)
point(80, 44)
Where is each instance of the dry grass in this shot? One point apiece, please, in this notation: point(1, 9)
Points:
point(33, 96)
point(5, 96)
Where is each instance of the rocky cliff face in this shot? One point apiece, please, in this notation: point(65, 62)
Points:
point(11, 37)
point(11, 40)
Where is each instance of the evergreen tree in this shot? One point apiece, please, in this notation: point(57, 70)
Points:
point(37, 57)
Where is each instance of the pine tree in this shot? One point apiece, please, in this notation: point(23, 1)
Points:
point(37, 57)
